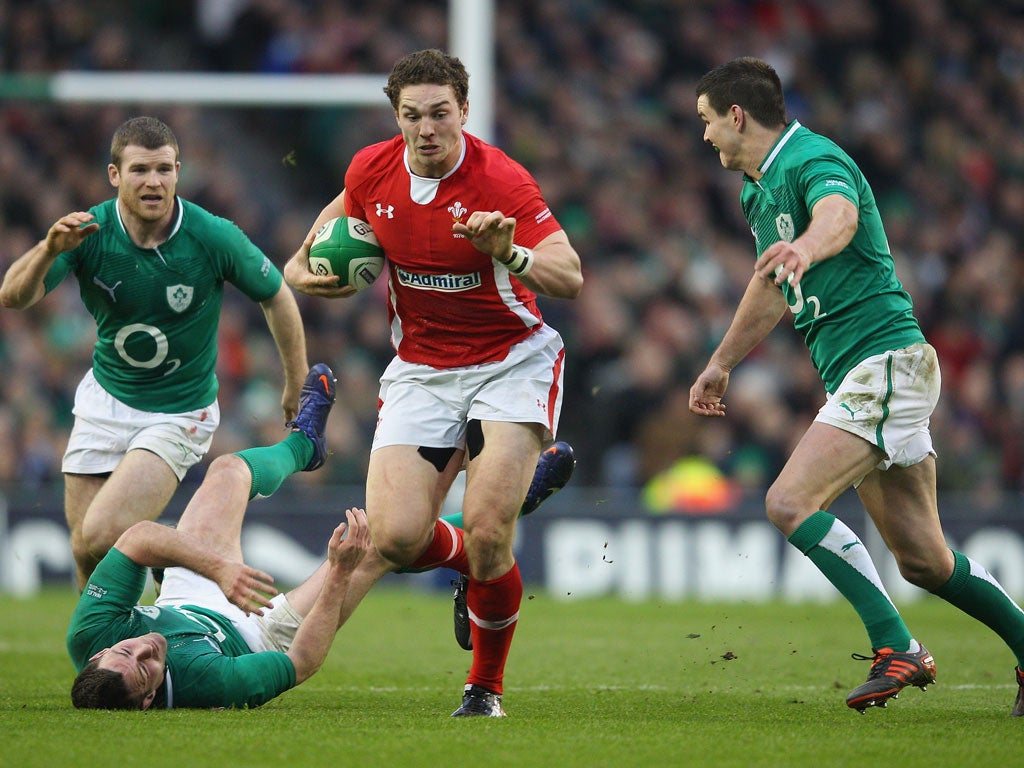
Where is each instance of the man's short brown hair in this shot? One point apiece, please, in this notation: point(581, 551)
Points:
point(145, 132)
point(98, 688)
point(430, 66)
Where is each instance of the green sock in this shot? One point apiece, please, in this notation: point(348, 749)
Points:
point(839, 554)
point(272, 464)
point(974, 591)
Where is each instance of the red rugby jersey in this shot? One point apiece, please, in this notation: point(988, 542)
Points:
point(449, 305)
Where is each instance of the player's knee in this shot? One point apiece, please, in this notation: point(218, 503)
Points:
point(785, 509)
point(79, 548)
point(230, 465)
point(923, 570)
point(402, 547)
point(488, 540)
point(98, 535)
point(486, 534)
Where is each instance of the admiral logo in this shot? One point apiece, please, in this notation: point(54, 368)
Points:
point(449, 283)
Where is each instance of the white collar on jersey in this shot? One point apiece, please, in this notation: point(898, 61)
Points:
point(174, 229)
point(778, 147)
point(168, 688)
point(422, 189)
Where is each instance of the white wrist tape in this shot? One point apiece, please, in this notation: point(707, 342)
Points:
point(521, 261)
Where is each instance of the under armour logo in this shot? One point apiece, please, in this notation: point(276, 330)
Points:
point(389, 211)
point(107, 288)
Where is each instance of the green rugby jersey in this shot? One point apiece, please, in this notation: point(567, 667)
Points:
point(157, 309)
point(208, 662)
point(850, 306)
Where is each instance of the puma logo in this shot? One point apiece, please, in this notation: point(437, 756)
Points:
point(108, 289)
point(853, 413)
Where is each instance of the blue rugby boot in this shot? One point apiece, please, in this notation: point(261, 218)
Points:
point(315, 402)
point(554, 469)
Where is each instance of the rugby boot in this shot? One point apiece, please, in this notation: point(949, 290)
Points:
point(479, 702)
point(315, 402)
point(890, 673)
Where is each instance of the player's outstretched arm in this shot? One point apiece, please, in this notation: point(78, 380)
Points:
point(348, 545)
point(760, 310)
point(23, 283)
point(159, 546)
point(285, 324)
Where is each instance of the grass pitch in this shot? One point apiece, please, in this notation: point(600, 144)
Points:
point(588, 683)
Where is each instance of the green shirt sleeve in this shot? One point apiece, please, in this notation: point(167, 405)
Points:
point(58, 271)
point(244, 265)
point(104, 614)
point(208, 678)
point(826, 176)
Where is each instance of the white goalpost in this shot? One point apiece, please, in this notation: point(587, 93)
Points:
point(470, 35)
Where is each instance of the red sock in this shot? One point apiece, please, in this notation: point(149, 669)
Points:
point(445, 551)
point(493, 613)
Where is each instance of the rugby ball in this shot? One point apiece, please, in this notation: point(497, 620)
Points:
point(347, 247)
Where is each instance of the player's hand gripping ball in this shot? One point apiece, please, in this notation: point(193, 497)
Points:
point(347, 247)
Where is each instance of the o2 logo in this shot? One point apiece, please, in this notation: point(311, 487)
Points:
point(159, 353)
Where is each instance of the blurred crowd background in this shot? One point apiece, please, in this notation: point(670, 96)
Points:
point(596, 98)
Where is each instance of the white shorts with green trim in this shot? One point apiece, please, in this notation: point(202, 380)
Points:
point(106, 429)
point(273, 631)
point(888, 400)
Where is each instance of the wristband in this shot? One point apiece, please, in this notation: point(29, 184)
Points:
point(520, 262)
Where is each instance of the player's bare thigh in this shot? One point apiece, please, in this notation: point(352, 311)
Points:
point(404, 494)
point(216, 510)
point(825, 462)
point(139, 489)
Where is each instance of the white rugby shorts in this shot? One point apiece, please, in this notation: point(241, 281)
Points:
point(273, 631)
point(106, 429)
point(888, 400)
point(425, 406)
